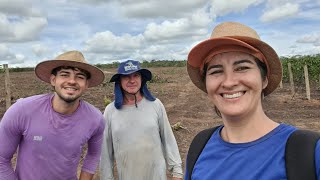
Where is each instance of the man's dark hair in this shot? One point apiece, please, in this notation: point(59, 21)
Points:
point(57, 69)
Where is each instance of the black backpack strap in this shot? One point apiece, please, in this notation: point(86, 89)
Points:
point(300, 155)
point(196, 147)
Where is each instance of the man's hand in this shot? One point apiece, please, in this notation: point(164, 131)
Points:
point(175, 178)
point(85, 176)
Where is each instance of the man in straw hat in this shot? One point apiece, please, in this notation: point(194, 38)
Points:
point(51, 129)
point(236, 69)
point(138, 134)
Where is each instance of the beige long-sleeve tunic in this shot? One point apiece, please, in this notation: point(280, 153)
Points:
point(141, 142)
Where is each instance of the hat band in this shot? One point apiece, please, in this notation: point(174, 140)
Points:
point(234, 48)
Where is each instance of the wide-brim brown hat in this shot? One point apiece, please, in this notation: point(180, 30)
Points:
point(71, 58)
point(234, 34)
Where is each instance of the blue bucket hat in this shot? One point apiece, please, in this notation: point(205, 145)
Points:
point(126, 68)
point(129, 67)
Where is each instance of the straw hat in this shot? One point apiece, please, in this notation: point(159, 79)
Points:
point(233, 34)
point(71, 58)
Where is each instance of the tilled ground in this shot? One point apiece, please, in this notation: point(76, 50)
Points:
point(184, 102)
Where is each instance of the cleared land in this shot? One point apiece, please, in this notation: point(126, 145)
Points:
point(184, 102)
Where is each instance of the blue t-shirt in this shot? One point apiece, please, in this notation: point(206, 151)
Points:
point(262, 159)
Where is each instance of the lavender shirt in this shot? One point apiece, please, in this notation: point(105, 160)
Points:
point(50, 144)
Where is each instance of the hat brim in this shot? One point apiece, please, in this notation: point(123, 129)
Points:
point(147, 75)
point(198, 54)
point(44, 69)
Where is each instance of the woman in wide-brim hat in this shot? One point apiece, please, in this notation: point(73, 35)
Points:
point(237, 69)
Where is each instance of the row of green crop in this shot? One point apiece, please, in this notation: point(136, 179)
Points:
point(297, 67)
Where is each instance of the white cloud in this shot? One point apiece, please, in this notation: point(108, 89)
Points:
point(305, 51)
point(19, 59)
point(310, 11)
point(310, 39)
point(4, 51)
point(166, 30)
point(181, 29)
point(293, 46)
point(20, 21)
point(201, 19)
point(280, 12)
point(6, 29)
point(92, 2)
point(313, 14)
point(112, 30)
point(107, 42)
point(40, 50)
point(221, 7)
point(29, 29)
point(161, 52)
point(159, 41)
point(156, 8)
point(19, 8)
point(7, 57)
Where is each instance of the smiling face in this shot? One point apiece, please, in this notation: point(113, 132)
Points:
point(234, 84)
point(69, 84)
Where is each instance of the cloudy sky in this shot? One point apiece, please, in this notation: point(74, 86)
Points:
point(113, 30)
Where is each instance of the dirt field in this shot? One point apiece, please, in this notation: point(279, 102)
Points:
point(184, 102)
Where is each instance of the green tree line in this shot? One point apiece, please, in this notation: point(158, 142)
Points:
point(297, 64)
point(145, 64)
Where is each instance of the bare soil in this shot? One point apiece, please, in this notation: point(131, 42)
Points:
point(184, 102)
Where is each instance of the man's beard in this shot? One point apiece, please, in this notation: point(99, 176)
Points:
point(68, 100)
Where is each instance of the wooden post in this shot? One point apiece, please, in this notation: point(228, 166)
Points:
point(291, 79)
point(281, 84)
point(7, 86)
point(306, 78)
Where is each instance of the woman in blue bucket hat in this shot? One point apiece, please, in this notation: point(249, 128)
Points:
point(138, 135)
